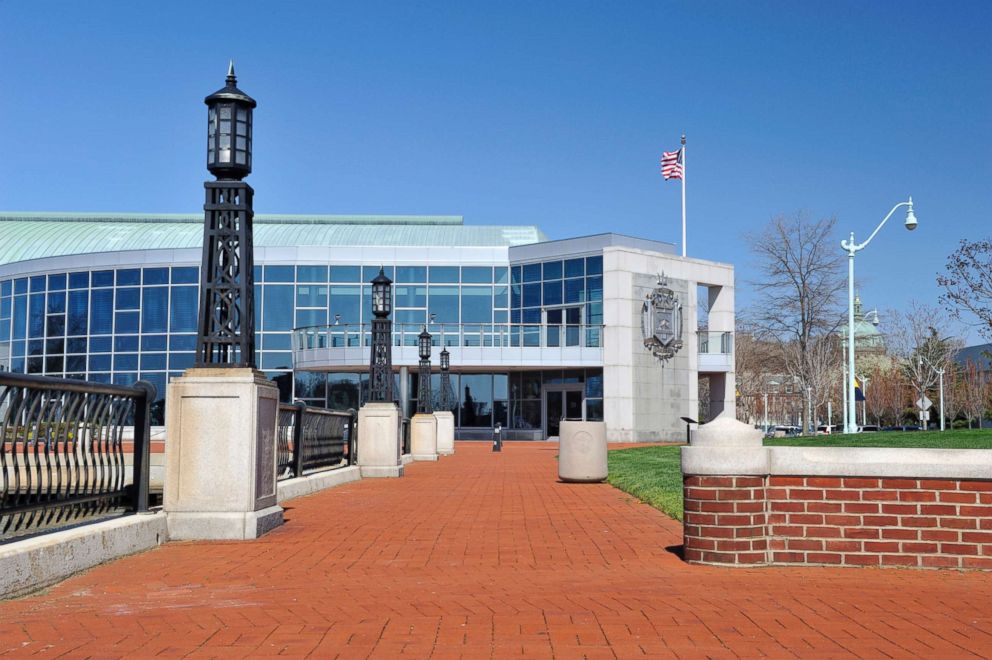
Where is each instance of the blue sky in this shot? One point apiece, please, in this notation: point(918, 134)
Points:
point(547, 113)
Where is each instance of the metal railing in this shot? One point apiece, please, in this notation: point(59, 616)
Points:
point(63, 454)
point(496, 335)
point(310, 439)
point(405, 435)
point(715, 342)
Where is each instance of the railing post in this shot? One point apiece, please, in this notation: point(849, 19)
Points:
point(298, 439)
point(142, 444)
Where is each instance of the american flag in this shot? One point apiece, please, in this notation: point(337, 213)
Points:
point(671, 164)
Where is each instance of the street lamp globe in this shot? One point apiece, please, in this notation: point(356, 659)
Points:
point(424, 344)
point(910, 217)
point(229, 117)
point(382, 299)
point(445, 359)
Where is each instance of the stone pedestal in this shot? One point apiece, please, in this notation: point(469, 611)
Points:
point(423, 437)
point(220, 474)
point(445, 432)
point(379, 440)
point(582, 452)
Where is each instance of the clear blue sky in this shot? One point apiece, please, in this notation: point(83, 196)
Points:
point(547, 113)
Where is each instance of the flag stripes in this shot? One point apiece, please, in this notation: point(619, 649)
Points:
point(671, 164)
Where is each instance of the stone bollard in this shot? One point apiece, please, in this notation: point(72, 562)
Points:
point(582, 452)
point(423, 437)
point(445, 432)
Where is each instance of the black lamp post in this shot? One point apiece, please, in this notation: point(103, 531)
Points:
point(226, 328)
point(447, 397)
point(381, 369)
point(424, 403)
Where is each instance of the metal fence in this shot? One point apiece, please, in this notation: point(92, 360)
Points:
point(311, 439)
point(64, 457)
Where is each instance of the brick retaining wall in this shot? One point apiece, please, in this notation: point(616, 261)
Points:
point(854, 521)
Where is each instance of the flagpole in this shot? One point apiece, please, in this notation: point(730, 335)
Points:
point(683, 194)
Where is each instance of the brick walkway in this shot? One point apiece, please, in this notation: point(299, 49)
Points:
point(485, 555)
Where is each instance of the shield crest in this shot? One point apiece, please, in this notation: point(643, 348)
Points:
point(661, 321)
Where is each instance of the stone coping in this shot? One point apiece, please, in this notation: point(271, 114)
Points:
point(839, 461)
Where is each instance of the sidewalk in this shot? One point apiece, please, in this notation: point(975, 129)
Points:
point(486, 555)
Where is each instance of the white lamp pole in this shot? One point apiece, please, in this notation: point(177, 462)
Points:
point(941, 372)
point(852, 248)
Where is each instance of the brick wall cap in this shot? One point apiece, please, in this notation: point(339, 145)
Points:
point(838, 462)
point(724, 432)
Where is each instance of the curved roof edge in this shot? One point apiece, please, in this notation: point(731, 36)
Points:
point(259, 218)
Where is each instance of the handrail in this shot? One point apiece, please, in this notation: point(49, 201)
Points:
point(321, 439)
point(62, 451)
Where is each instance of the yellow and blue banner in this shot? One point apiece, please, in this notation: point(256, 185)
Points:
point(859, 394)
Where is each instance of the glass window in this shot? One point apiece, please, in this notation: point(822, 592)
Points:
point(154, 342)
point(410, 296)
point(552, 270)
point(75, 363)
point(517, 275)
point(126, 362)
point(501, 275)
point(477, 275)
point(500, 298)
point(278, 301)
point(342, 391)
point(346, 274)
point(594, 410)
point(36, 317)
point(55, 326)
point(552, 293)
point(127, 378)
point(346, 301)
point(79, 280)
point(531, 316)
point(128, 276)
point(21, 285)
point(515, 295)
point(56, 282)
point(369, 273)
point(153, 361)
point(183, 312)
point(278, 273)
point(56, 302)
point(575, 267)
point(410, 316)
point(477, 304)
point(126, 343)
point(38, 284)
point(185, 275)
point(444, 274)
point(594, 288)
point(532, 295)
point(182, 361)
point(532, 272)
point(277, 360)
point(443, 303)
point(594, 265)
point(476, 397)
point(411, 274)
point(309, 317)
point(5, 288)
point(103, 278)
point(154, 309)
point(574, 290)
point(20, 316)
point(311, 273)
point(182, 342)
point(101, 311)
point(311, 295)
point(126, 322)
point(75, 345)
point(155, 276)
point(100, 344)
point(129, 298)
point(311, 385)
point(500, 316)
point(277, 341)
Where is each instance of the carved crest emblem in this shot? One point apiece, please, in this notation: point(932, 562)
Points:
point(661, 321)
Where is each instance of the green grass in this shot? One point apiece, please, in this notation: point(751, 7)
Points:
point(959, 439)
point(651, 474)
point(654, 474)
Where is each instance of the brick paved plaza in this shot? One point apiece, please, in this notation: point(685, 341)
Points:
point(486, 555)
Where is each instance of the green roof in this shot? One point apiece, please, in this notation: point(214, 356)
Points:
point(26, 236)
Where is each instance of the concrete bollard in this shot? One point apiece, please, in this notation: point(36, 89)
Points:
point(582, 452)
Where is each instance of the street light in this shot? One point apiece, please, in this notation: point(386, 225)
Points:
point(850, 414)
point(381, 366)
point(424, 402)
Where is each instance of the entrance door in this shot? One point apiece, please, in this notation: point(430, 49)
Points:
point(561, 402)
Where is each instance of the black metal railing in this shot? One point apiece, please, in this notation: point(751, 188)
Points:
point(405, 435)
point(310, 439)
point(63, 452)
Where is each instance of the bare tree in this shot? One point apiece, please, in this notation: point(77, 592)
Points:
point(801, 275)
point(918, 337)
point(754, 360)
point(967, 283)
point(975, 392)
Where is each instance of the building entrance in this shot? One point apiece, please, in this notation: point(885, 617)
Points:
point(561, 402)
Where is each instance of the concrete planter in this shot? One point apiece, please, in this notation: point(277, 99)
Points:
point(582, 452)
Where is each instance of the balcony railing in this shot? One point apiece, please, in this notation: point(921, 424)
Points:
point(310, 439)
point(496, 335)
point(715, 343)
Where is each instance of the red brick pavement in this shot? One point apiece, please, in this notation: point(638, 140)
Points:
point(486, 555)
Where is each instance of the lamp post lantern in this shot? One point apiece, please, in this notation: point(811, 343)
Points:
point(424, 403)
point(226, 325)
point(381, 367)
point(852, 248)
point(447, 398)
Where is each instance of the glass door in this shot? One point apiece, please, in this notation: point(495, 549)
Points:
point(555, 411)
point(561, 401)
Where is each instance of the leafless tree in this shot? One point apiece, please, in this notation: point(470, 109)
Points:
point(967, 282)
point(801, 276)
point(975, 392)
point(754, 361)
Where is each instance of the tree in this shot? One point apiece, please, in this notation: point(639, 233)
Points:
point(967, 283)
point(801, 274)
point(754, 360)
point(974, 393)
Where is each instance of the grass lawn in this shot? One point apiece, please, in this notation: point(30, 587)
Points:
point(654, 474)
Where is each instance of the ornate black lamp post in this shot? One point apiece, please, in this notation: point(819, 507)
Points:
point(424, 403)
point(227, 306)
point(447, 395)
point(381, 369)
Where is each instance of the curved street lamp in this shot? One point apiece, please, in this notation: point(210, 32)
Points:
point(852, 248)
